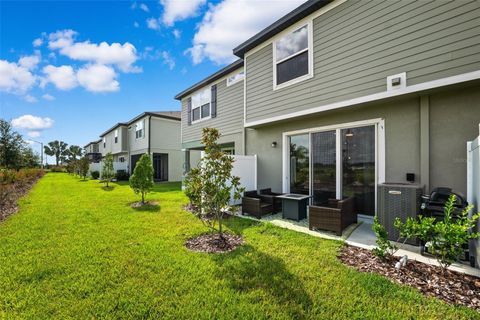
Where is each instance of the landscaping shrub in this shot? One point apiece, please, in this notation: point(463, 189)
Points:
point(95, 174)
point(445, 238)
point(141, 180)
point(14, 182)
point(122, 175)
point(384, 247)
point(57, 169)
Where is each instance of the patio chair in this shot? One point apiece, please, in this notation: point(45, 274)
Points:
point(271, 197)
point(253, 205)
point(335, 217)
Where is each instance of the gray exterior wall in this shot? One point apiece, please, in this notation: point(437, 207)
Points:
point(229, 119)
point(359, 43)
point(110, 145)
point(165, 138)
point(454, 119)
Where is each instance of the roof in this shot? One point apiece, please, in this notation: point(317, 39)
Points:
point(92, 142)
point(172, 115)
point(120, 124)
point(217, 75)
point(281, 24)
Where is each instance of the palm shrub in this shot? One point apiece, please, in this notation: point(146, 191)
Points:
point(384, 248)
point(107, 169)
point(141, 180)
point(211, 184)
point(445, 238)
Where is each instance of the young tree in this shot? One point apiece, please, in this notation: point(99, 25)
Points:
point(211, 185)
point(141, 180)
point(107, 169)
point(11, 146)
point(57, 149)
point(83, 166)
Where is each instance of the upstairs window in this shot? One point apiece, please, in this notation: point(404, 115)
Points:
point(116, 135)
point(139, 129)
point(104, 142)
point(239, 76)
point(201, 104)
point(292, 57)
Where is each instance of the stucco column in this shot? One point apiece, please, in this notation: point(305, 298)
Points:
point(425, 142)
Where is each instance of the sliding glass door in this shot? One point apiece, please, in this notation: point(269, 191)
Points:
point(358, 167)
point(334, 164)
point(324, 167)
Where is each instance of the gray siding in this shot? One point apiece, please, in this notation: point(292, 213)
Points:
point(229, 118)
point(358, 44)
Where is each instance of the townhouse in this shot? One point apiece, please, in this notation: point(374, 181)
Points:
point(341, 96)
point(154, 133)
point(92, 151)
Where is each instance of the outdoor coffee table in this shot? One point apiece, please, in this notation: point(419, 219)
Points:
point(294, 206)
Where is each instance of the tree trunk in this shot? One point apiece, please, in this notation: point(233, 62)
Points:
point(220, 226)
point(143, 198)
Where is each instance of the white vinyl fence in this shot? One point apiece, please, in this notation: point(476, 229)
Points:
point(116, 166)
point(473, 186)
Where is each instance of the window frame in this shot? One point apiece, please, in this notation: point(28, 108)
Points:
point(137, 137)
point(115, 134)
point(209, 88)
point(309, 48)
point(239, 79)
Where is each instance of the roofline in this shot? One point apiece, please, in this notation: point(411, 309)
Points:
point(153, 114)
point(217, 75)
point(92, 142)
point(120, 124)
point(281, 24)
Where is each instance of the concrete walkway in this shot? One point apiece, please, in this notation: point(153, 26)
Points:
point(360, 235)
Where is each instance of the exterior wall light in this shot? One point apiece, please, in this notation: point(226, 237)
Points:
point(274, 144)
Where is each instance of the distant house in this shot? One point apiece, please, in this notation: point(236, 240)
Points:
point(154, 133)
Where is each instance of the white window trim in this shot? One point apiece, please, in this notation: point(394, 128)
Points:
point(309, 75)
point(200, 107)
point(379, 150)
point(143, 130)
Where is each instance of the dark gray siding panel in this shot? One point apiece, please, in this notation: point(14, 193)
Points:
point(229, 117)
point(358, 44)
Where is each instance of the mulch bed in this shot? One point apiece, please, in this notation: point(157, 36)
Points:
point(213, 243)
point(139, 204)
point(19, 190)
point(452, 287)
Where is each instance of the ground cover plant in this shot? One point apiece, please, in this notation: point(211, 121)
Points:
point(76, 251)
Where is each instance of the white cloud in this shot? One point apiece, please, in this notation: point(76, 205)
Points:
point(48, 97)
point(98, 78)
point(122, 56)
point(168, 59)
point(62, 77)
point(34, 134)
point(30, 122)
point(30, 98)
point(177, 33)
point(29, 62)
point(144, 7)
point(37, 42)
point(152, 23)
point(176, 10)
point(15, 78)
point(231, 22)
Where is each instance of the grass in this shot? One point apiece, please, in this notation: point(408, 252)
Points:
point(75, 250)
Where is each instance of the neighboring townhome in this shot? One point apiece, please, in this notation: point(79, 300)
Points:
point(215, 102)
point(115, 141)
point(158, 134)
point(92, 151)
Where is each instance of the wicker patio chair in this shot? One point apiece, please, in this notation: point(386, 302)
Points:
point(335, 217)
point(253, 205)
point(271, 197)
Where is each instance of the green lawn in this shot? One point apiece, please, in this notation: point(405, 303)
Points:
point(75, 250)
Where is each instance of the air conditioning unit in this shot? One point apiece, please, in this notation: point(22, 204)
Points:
point(400, 200)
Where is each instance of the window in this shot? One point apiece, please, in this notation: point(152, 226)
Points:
point(201, 104)
point(139, 129)
point(104, 142)
point(292, 57)
point(116, 135)
point(121, 159)
point(239, 76)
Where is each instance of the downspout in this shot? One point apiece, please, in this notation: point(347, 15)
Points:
point(149, 132)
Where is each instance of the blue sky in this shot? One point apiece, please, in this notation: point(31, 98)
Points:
point(70, 70)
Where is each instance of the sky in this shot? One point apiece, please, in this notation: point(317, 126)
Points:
point(69, 70)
